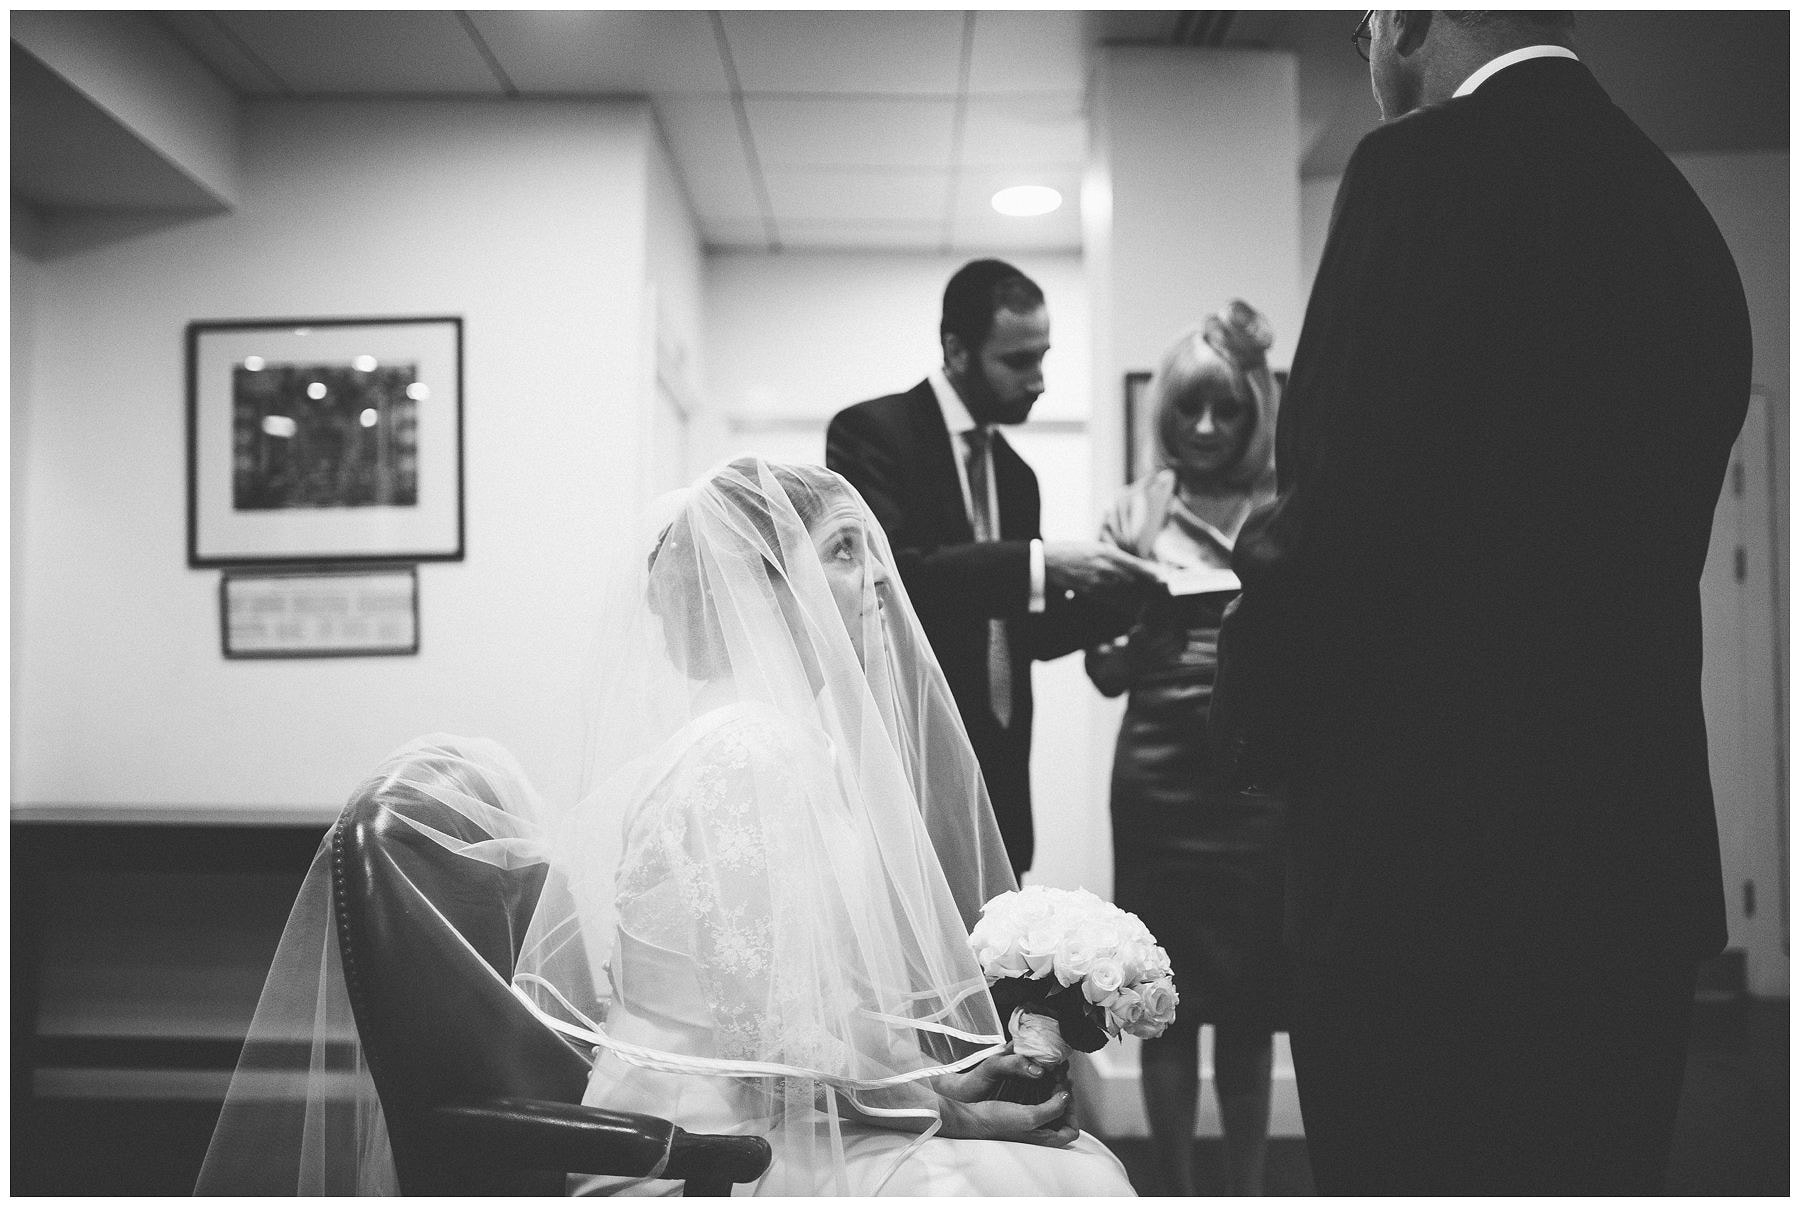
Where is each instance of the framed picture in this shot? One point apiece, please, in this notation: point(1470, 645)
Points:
point(1140, 441)
point(325, 440)
point(301, 613)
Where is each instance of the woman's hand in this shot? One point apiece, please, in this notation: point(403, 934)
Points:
point(1115, 665)
point(1148, 645)
point(971, 1111)
point(984, 1080)
point(1047, 1123)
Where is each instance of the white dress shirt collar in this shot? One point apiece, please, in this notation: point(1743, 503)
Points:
point(1506, 60)
point(957, 419)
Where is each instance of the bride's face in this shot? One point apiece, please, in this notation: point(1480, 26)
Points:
point(855, 576)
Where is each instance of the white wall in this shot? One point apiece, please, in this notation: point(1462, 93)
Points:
point(675, 310)
point(1193, 180)
point(801, 335)
point(525, 218)
point(1747, 193)
point(22, 293)
point(793, 338)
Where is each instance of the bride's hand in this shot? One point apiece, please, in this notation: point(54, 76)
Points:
point(1047, 1123)
point(971, 1113)
point(984, 1080)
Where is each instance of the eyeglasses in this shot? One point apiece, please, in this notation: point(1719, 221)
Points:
point(1363, 35)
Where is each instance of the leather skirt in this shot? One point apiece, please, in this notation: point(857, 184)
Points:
point(1203, 867)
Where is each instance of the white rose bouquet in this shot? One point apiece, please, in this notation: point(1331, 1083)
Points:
point(1071, 971)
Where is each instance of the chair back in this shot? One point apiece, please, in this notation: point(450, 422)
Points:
point(429, 940)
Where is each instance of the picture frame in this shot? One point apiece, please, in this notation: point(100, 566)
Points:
point(304, 612)
point(1140, 441)
point(323, 441)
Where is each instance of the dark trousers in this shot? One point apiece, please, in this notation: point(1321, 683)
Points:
point(1513, 1082)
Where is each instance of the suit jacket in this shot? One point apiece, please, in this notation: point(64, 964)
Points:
point(896, 451)
point(1474, 604)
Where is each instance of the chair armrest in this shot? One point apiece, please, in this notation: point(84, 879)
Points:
point(711, 1164)
point(532, 1133)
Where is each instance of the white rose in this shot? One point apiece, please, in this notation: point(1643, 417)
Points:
point(1075, 955)
point(1146, 1028)
point(1038, 948)
point(1104, 980)
point(1007, 961)
point(1105, 933)
point(1038, 1036)
point(1127, 1007)
point(1159, 998)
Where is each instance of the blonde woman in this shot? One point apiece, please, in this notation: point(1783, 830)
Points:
point(1198, 863)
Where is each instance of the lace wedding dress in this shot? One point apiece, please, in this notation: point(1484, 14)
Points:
point(693, 972)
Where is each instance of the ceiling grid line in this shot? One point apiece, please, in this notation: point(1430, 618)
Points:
point(758, 180)
point(243, 48)
point(487, 53)
point(958, 122)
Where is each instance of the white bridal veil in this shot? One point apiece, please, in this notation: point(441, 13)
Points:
point(754, 914)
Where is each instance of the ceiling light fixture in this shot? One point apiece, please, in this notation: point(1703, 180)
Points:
point(1027, 200)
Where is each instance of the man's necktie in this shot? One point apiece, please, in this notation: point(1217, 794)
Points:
point(987, 528)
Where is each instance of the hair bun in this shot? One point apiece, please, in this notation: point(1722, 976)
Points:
point(1241, 334)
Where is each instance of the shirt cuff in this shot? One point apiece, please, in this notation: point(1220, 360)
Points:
point(1037, 575)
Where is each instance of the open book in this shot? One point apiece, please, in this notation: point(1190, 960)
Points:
point(1199, 580)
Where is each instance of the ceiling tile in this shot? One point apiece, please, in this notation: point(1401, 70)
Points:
point(884, 236)
point(851, 131)
point(1029, 52)
point(626, 51)
point(342, 51)
point(906, 52)
point(828, 195)
point(205, 37)
point(1041, 129)
point(1132, 25)
point(703, 138)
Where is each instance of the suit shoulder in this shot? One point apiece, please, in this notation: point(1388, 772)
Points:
point(1427, 133)
point(887, 411)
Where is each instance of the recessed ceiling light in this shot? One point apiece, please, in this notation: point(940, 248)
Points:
point(1025, 200)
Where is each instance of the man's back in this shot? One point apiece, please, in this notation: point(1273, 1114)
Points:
point(1523, 368)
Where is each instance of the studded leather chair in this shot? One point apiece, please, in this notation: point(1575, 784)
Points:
point(479, 1096)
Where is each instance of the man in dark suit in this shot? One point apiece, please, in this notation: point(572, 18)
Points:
point(961, 512)
point(1469, 633)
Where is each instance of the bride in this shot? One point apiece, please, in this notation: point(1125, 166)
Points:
point(755, 913)
point(786, 842)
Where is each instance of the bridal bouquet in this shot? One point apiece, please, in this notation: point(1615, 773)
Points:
point(1072, 970)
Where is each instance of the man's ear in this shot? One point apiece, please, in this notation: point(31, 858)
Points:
point(956, 354)
point(1410, 29)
